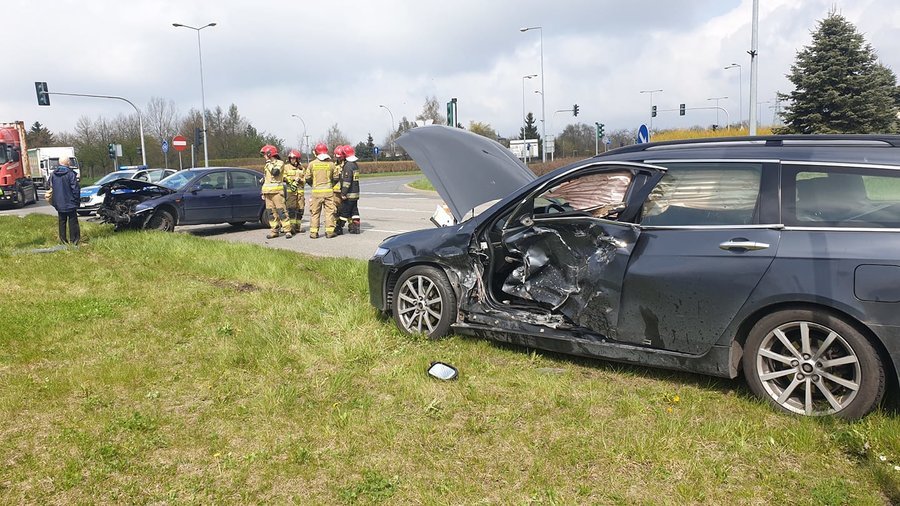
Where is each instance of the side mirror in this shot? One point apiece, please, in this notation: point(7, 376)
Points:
point(196, 188)
point(442, 371)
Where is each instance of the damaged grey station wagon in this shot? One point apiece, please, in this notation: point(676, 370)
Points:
point(773, 257)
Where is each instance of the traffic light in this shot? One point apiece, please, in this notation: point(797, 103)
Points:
point(112, 150)
point(600, 130)
point(681, 110)
point(452, 112)
point(198, 137)
point(653, 112)
point(140, 151)
point(575, 110)
point(43, 94)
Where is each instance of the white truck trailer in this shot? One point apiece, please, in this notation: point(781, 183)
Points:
point(43, 161)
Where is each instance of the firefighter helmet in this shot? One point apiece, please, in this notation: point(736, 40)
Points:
point(321, 149)
point(269, 150)
point(294, 154)
point(348, 151)
point(339, 151)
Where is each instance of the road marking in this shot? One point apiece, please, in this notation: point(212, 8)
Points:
point(401, 209)
point(386, 231)
point(396, 193)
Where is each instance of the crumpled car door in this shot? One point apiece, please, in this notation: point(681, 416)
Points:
point(572, 240)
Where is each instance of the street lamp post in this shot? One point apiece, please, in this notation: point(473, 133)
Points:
point(524, 121)
point(202, 94)
point(651, 92)
point(740, 91)
point(717, 108)
point(543, 106)
point(305, 136)
point(391, 134)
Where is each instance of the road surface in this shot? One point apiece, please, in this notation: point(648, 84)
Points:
point(387, 207)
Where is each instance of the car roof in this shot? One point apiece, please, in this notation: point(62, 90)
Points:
point(876, 149)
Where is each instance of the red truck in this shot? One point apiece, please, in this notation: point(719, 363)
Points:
point(16, 186)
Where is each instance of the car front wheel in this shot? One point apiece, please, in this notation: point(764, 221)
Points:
point(162, 220)
point(424, 302)
point(813, 363)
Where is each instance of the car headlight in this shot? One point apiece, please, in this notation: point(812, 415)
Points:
point(380, 252)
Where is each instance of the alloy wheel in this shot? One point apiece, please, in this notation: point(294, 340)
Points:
point(808, 368)
point(420, 305)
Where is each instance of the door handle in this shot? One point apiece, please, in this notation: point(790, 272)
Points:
point(222, 196)
point(743, 245)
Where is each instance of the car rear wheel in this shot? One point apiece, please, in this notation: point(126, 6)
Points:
point(424, 302)
point(813, 363)
point(162, 220)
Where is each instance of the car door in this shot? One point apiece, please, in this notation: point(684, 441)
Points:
point(246, 199)
point(709, 232)
point(566, 248)
point(206, 200)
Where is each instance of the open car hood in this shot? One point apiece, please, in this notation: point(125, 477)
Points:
point(133, 185)
point(466, 169)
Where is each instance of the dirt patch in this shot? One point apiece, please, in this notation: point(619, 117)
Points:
point(234, 285)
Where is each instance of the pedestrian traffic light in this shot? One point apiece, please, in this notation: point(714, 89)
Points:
point(43, 95)
point(575, 110)
point(198, 137)
point(653, 112)
point(681, 110)
point(112, 150)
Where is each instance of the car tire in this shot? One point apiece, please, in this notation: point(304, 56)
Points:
point(424, 302)
point(237, 223)
point(811, 362)
point(162, 220)
point(83, 213)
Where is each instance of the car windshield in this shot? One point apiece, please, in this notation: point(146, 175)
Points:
point(178, 180)
point(112, 176)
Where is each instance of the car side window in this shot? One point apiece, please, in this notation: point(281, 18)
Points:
point(141, 176)
point(598, 195)
point(708, 193)
point(840, 197)
point(243, 180)
point(213, 181)
point(155, 175)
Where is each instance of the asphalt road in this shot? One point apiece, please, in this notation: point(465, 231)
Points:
point(387, 207)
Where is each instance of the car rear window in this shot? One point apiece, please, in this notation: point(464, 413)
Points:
point(841, 197)
point(708, 193)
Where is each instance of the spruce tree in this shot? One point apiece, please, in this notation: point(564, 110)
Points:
point(840, 87)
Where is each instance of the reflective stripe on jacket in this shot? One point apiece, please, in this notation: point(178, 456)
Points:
point(350, 181)
point(321, 174)
point(293, 178)
point(274, 177)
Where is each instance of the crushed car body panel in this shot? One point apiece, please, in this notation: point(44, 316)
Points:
point(466, 169)
point(122, 196)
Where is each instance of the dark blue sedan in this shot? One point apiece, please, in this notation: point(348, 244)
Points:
point(188, 197)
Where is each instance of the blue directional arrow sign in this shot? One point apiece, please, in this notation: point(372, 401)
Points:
point(376, 150)
point(643, 136)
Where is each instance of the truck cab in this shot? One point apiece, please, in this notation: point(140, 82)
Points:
point(16, 186)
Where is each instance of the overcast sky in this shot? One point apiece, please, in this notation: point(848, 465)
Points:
point(337, 61)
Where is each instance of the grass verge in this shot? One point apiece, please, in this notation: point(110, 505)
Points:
point(157, 368)
point(422, 184)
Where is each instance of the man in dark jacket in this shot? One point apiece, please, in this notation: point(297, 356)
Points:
point(65, 197)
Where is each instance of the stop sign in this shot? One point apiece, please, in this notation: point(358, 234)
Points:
point(179, 143)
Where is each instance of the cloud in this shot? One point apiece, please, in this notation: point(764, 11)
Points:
point(335, 62)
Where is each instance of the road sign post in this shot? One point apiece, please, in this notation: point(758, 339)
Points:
point(643, 135)
point(179, 143)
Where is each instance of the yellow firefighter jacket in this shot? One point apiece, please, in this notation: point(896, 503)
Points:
point(274, 177)
point(321, 175)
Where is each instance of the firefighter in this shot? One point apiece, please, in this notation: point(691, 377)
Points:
point(350, 192)
point(339, 164)
point(321, 174)
point(294, 199)
point(273, 190)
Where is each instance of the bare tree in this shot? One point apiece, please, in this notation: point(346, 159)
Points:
point(335, 137)
point(161, 118)
point(483, 129)
point(431, 110)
